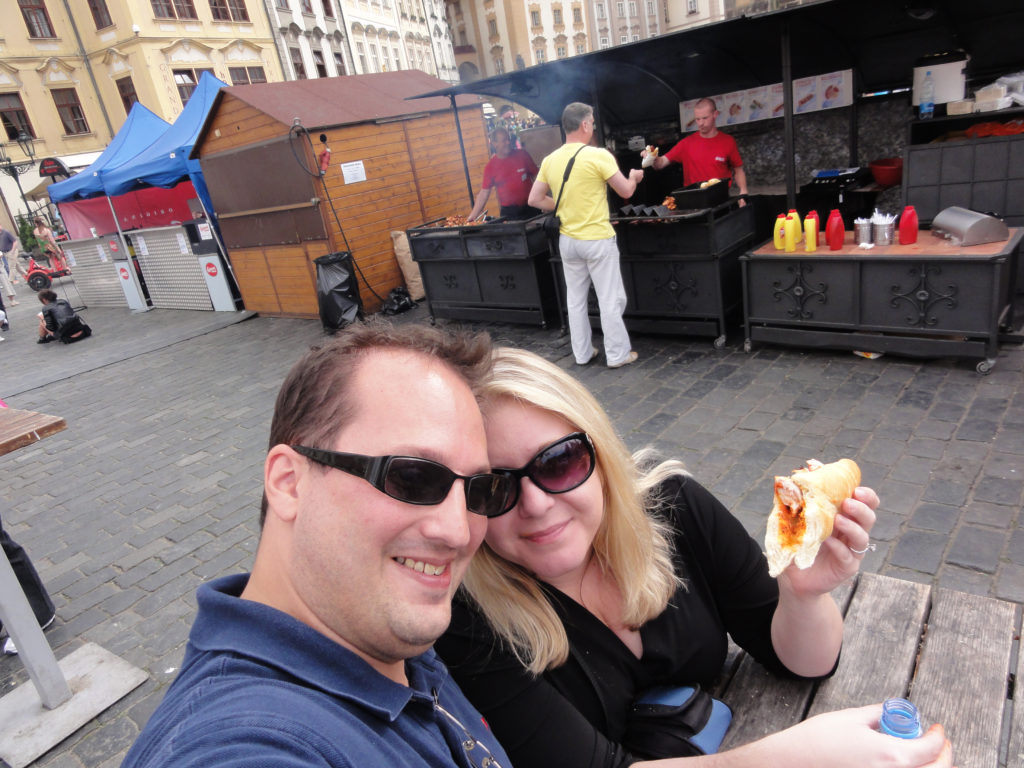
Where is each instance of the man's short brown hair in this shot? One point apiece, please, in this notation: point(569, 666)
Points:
point(314, 403)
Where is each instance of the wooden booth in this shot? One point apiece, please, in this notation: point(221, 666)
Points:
point(392, 165)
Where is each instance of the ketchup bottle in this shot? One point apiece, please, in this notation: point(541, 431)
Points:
point(908, 226)
point(835, 231)
point(779, 233)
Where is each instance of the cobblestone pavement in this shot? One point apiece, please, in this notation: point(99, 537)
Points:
point(154, 487)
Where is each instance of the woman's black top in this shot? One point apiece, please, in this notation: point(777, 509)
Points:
point(574, 716)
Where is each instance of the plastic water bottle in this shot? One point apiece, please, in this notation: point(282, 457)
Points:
point(901, 719)
point(926, 104)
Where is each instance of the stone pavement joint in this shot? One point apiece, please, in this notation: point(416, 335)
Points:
point(154, 487)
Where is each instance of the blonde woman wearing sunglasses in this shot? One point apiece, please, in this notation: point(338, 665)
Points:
point(603, 579)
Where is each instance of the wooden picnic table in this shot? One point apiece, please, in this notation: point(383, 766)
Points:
point(20, 428)
point(955, 655)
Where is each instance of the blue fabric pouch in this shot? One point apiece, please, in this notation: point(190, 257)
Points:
point(676, 721)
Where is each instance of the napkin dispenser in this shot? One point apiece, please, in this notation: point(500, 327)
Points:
point(963, 227)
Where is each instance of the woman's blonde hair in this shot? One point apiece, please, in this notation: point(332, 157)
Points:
point(631, 545)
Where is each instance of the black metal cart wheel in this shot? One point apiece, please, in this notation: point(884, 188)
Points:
point(37, 281)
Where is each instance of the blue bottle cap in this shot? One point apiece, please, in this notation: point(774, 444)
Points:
point(901, 719)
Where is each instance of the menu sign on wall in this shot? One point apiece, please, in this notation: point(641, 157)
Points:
point(810, 94)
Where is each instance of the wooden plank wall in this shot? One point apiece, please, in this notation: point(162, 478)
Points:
point(414, 173)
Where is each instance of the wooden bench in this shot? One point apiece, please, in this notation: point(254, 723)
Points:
point(953, 654)
point(20, 428)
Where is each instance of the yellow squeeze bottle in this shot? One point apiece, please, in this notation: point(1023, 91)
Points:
point(779, 233)
point(811, 233)
point(791, 230)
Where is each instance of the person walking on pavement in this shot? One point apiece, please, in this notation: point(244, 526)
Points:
point(7, 241)
point(586, 238)
point(10, 247)
point(35, 592)
point(322, 655)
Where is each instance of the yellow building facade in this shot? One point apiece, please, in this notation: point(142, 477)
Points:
point(70, 71)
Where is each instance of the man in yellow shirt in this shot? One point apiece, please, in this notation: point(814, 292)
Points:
point(586, 239)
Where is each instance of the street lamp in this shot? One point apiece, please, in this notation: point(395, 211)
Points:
point(13, 169)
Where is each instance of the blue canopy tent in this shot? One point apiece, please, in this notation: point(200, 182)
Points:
point(134, 136)
point(165, 162)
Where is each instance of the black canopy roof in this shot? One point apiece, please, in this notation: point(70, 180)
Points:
point(880, 40)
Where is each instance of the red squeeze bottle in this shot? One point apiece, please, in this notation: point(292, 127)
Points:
point(835, 231)
point(908, 226)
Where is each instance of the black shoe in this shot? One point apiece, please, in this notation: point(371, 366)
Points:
point(44, 340)
point(5, 326)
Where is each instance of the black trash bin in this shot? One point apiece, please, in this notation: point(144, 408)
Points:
point(336, 291)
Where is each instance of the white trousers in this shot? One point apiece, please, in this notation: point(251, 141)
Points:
point(5, 282)
point(597, 262)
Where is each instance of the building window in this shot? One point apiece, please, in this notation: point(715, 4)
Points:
point(297, 65)
point(36, 18)
point(577, 16)
point(691, 6)
point(246, 75)
point(492, 27)
point(561, 52)
point(499, 66)
point(580, 48)
point(229, 10)
point(398, 61)
point(620, 8)
point(556, 14)
point(632, 7)
point(126, 90)
point(100, 14)
point(14, 116)
point(375, 63)
point(650, 7)
point(187, 80)
point(623, 38)
point(361, 50)
point(600, 10)
point(174, 9)
point(307, 6)
point(328, 9)
point(604, 42)
point(535, 18)
point(320, 64)
point(539, 53)
point(72, 118)
point(339, 63)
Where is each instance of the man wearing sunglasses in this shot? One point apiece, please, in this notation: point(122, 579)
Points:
point(377, 489)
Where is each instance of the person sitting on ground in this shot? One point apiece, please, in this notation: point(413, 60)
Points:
point(608, 574)
point(59, 321)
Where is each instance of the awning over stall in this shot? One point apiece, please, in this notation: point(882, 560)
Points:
point(137, 133)
point(880, 40)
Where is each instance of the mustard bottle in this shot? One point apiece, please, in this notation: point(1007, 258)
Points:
point(779, 232)
point(791, 231)
point(811, 233)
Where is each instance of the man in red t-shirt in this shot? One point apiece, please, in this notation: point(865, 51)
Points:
point(511, 172)
point(708, 153)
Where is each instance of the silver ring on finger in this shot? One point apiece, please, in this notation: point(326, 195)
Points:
point(869, 548)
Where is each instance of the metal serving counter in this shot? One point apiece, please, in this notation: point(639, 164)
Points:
point(492, 271)
point(681, 272)
point(930, 299)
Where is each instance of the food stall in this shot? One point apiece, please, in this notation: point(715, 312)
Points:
point(948, 294)
point(494, 270)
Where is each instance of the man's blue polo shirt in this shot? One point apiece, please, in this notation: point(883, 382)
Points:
point(258, 689)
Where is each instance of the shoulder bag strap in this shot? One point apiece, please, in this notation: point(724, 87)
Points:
point(565, 178)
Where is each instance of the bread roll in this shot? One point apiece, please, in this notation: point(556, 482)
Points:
point(804, 509)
